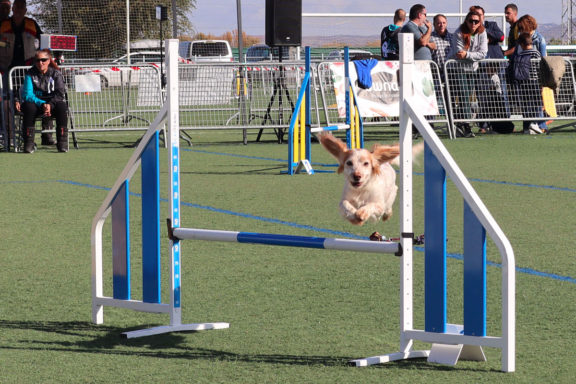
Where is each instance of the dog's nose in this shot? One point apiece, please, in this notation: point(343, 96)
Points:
point(357, 177)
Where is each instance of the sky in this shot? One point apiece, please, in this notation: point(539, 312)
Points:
point(219, 16)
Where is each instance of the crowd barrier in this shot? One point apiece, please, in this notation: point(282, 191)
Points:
point(263, 96)
point(449, 342)
point(485, 92)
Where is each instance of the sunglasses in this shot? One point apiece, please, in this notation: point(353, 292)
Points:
point(474, 21)
point(43, 60)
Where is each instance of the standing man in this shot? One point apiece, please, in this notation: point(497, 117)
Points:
point(389, 36)
point(21, 37)
point(442, 39)
point(511, 15)
point(5, 7)
point(421, 28)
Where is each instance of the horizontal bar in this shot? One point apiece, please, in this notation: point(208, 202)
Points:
point(287, 240)
point(330, 128)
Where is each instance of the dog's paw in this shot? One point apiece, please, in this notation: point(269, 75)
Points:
point(363, 214)
point(386, 215)
point(355, 220)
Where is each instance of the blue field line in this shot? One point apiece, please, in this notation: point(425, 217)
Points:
point(253, 157)
point(456, 256)
point(513, 184)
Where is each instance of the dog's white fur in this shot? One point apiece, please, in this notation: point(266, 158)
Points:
point(370, 187)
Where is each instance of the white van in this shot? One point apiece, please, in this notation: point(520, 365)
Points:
point(207, 50)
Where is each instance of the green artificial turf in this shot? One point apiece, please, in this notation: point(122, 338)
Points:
point(296, 315)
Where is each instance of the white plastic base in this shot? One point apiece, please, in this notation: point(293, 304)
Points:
point(390, 357)
point(175, 328)
point(450, 354)
point(305, 164)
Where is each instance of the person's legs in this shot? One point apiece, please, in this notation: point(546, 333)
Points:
point(29, 113)
point(60, 112)
point(47, 125)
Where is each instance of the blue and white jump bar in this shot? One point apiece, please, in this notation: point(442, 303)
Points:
point(288, 240)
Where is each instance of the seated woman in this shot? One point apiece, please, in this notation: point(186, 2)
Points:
point(43, 94)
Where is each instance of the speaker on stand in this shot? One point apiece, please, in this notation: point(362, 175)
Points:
point(283, 29)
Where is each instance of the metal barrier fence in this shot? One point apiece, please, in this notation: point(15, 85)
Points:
point(230, 96)
point(100, 97)
point(262, 96)
point(485, 92)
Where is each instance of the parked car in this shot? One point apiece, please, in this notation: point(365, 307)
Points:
point(262, 52)
point(207, 51)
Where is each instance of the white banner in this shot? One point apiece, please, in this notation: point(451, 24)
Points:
point(382, 98)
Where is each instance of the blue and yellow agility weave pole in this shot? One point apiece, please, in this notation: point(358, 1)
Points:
point(299, 133)
point(450, 342)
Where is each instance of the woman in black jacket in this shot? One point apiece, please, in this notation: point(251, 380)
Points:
point(43, 94)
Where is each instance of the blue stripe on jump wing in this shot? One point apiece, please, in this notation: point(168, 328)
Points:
point(435, 250)
point(474, 274)
point(285, 240)
point(121, 243)
point(151, 221)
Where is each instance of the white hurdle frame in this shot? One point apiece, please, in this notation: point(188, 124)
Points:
point(169, 112)
point(447, 347)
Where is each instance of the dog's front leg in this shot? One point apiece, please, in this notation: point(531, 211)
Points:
point(348, 211)
point(373, 210)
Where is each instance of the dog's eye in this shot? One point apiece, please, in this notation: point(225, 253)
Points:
point(349, 163)
point(366, 164)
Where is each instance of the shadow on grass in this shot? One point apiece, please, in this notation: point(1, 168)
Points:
point(106, 340)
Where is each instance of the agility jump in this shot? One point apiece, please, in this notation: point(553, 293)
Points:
point(449, 341)
point(299, 133)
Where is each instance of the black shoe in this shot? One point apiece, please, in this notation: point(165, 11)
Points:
point(62, 147)
point(464, 130)
point(29, 147)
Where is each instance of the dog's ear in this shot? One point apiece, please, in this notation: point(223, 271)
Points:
point(335, 146)
point(385, 153)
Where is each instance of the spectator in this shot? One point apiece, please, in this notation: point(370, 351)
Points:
point(469, 44)
point(43, 95)
point(526, 66)
point(421, 28)
point(389, 36)
point(528, 24)
point(442, 40)
point(5, 7)
point(511, 15)
point(21, 35)
point(491, 91)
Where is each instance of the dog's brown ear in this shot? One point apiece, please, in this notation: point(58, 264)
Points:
point(385, 153)
point(335, 146)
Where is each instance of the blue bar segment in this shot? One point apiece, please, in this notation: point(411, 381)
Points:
point(435, 249)
point(150, 167)
point(121, 243)
point(474, 274)
point(282, 240)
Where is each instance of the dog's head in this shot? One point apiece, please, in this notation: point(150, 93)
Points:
point(358, 165)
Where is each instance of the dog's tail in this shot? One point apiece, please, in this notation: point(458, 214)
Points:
point(417, 150)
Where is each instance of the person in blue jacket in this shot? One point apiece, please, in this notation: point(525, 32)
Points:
point(43, 94)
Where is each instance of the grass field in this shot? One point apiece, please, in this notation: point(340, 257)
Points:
point(296, 315)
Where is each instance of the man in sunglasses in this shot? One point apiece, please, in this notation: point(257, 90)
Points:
point(421, 28)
